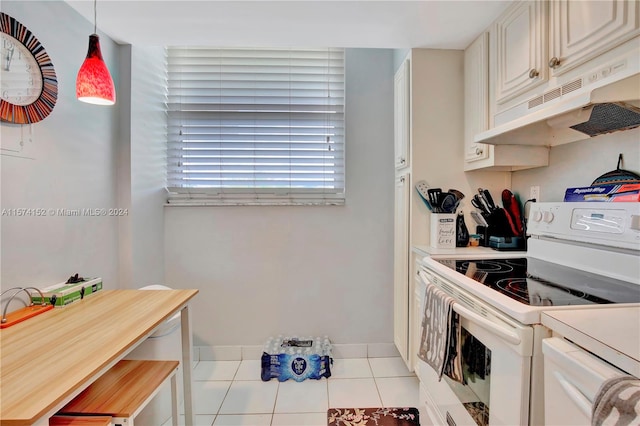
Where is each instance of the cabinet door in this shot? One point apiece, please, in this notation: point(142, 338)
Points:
point(476, 97)
point(582, 30)
point(401, 266)
point(415, 319)
point(520, 40)
point(401, 115)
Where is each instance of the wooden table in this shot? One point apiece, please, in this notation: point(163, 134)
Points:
point(47, 360)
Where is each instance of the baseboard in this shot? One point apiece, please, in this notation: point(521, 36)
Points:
point(338, 350)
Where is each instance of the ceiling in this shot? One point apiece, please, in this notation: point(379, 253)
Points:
point(443, 24)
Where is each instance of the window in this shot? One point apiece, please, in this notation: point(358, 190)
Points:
point(255, 126)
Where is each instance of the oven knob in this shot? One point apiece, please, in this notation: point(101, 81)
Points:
point(536, 216)
point(547, 217)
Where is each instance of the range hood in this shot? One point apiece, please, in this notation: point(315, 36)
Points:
point(574, 116)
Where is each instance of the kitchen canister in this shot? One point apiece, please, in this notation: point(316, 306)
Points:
point(443, 230)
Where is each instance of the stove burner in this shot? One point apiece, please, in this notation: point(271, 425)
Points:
point(518, 288)
point(515, 286)
point(493, 266)
point(517, 262)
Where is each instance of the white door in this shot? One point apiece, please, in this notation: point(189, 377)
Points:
point(401, 115)
point(582, 30)
point(519, 40)
point(401, 266)
point(572, 378)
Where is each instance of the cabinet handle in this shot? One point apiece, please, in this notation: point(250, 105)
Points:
point(533, 73)
point(402, 179)
point(553, 62)
point(478, 151)
point(402, 161)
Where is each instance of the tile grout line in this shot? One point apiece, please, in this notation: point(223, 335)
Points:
point(375, 382)
point(233, 379)
point(275, 402)
point(278, 396)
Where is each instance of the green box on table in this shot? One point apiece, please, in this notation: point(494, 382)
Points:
point(66, 293)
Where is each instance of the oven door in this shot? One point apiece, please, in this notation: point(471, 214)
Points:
point(496, 361)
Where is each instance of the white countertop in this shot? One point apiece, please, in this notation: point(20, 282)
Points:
point(467, 251)
point(612, 333)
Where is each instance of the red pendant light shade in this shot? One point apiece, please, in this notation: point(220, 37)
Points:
point(94, 84)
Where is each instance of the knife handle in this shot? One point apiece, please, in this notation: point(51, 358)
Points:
point(489, 199)
point(513, 211)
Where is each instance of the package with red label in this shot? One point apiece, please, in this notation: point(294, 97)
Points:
point(626, 192)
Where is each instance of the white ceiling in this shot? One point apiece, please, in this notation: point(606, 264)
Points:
point(443, 24)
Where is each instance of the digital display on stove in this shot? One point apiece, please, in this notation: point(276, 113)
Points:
point(539, 283)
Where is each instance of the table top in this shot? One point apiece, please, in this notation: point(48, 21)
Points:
point(49, 358)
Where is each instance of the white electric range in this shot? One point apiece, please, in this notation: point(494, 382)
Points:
point(580, 256)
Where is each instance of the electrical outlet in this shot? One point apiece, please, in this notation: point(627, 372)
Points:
point(534, 192)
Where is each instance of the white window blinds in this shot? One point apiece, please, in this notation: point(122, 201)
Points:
point(254, 126)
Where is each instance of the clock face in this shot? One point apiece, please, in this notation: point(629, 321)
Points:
point(21, 79)
point(28, 83)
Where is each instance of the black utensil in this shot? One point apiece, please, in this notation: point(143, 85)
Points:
point(448, 202)
point(478, 203)
point(485, 201)
point(459, 195)
point(434, 198)
point(475, 203)
point(489, 198)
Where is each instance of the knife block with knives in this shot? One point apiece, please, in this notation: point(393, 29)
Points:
point(498, 227)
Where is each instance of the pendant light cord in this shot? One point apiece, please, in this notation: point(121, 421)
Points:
point(95, 16)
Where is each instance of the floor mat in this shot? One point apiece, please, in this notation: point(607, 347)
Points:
point(373, 416)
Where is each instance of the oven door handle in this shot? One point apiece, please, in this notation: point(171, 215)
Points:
point(476, 318)
point(503, 333)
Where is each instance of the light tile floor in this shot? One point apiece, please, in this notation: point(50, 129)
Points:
point(231, 392)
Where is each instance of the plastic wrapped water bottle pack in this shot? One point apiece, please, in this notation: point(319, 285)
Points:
point(296, 358)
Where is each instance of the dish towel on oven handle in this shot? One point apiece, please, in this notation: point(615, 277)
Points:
point(617, 402)
point(440, 342)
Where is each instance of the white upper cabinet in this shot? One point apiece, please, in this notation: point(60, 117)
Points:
point(582, 30)
point(401, 115)
point(550, 57)
point(535, 41)
point(519, 39)
point(476, 119)
point(476, 97)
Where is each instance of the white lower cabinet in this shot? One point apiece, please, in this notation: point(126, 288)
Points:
point(401, 265)
point(415, 319)
point(428, 413)
point(572, 378)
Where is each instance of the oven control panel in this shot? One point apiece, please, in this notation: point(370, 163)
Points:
point(611, 224)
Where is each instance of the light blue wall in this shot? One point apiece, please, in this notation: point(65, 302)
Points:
point(301, 270)
point(70, 164)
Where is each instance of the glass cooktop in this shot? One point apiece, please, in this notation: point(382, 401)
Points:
point(538, 283)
